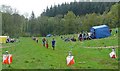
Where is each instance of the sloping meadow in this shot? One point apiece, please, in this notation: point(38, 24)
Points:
point(27, 54)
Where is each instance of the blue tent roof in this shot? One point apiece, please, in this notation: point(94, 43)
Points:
point(49, 35)
point(101, 26)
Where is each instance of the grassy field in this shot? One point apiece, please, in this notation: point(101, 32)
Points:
point(0, 57)
point(27, 54)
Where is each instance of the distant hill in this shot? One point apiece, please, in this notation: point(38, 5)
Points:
point(78, 8)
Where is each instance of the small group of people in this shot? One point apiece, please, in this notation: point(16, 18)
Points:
point(45, 43)
point(68, 39)
point(73, 39)
point(116, 30)
point(35, 39)
point(10, 40)
point(84, 36)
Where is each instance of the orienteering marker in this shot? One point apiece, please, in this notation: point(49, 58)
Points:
point(7, 58)
point(70, 59)
point(113, 54)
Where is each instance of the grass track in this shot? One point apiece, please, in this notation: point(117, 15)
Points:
point(27, 54)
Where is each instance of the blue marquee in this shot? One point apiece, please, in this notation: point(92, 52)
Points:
point(101, 31)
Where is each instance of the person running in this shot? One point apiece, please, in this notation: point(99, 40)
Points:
point(53, 44)
point(46, 43)
point(43, 40)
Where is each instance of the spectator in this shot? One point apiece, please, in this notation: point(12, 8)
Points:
point(46, 43)
point(80, 37)
point(33, 38)
point(116, 30)
point(53, 44)
point(37, 40)
point(89, 35)
point(110, 30)
point(84, 36)
point(43, 40)
point(73, 39)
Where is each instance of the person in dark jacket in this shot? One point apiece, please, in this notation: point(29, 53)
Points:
point(53, 44)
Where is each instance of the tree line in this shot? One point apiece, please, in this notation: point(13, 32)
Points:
point(78, 8)
point(16, 25)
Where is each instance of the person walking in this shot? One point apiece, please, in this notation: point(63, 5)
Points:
point(53, 44)
point(43, 40)
point(46, 43)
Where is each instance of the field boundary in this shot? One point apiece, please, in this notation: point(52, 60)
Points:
point(84, 47)
point(9, 46)
point(103, 47)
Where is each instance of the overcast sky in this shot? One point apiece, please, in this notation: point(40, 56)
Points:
point(27, 6)
point(38, 6)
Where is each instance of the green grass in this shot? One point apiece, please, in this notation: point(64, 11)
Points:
point(27, 54)
point(0, 57)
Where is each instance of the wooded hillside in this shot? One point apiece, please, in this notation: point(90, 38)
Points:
point(77, 18)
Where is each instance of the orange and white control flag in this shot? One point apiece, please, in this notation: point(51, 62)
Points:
point(7, 59)
point(112, 54)
point(70, 60)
